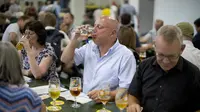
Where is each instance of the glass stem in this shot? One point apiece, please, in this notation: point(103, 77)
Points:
point(104, 106)
point(54, 102)
point(75, 101)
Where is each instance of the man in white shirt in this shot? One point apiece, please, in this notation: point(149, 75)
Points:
point(190, 53)
point(13, 31)
point(104, 58)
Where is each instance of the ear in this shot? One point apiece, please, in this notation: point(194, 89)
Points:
point(182, 47)
point(114, 32)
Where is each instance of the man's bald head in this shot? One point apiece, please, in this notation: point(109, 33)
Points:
point(110, 22)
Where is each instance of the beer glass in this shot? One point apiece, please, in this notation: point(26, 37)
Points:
point(19, 45)
point(121, 99)
point(104, 95)
point(75, 89)
point(54, 93)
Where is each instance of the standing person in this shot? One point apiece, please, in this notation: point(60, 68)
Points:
point(196, 39)
point(130, 9)
point(190, 53)
point(97, 13)
point(165, 82)
point(13, 31)
point(104, 58)
point(113, 10)
point(14, 95)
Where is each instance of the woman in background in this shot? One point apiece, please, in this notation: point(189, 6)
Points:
point(128, 37)
point(126, 33)
point(14, 96)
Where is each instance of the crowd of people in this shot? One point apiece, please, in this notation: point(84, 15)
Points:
point(166, 81)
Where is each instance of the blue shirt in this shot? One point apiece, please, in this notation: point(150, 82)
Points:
point(137, 42)
point(117, 66)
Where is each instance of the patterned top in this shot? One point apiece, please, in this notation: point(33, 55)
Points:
point(19, 99)
point(47, 51)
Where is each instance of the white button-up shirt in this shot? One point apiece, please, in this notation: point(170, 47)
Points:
point(116, 67)
point(191, 53)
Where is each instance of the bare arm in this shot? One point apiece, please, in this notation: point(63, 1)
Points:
point(132, 100)
point(13, 38)
point(68, 53)
point(39, 70)
point(43, 107)
point(133, 104)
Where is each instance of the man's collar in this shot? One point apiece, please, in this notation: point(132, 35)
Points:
point(96, 47)
point(188, 42)
point(49, 28)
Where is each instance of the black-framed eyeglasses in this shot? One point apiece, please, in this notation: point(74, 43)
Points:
point(170, 57)
point(29, 33)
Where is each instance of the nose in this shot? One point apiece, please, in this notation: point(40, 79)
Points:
point(95, 29)
point(166, 60)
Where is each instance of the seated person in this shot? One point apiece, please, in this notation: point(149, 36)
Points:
point(13, 31)
point(67, 24)
point(166, 82)
point(151, 35)
point(38, 57)
point(190, 53)
point(14, 95)
point(126, 34)
point(104, 58)
point(54, 36)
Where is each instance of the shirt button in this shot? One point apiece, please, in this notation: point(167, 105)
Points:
point(160, 86)
point(156, 99)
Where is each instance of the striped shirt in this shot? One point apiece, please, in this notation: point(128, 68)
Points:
point(19, 99)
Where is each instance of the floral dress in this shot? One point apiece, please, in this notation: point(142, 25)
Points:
point(47, 51)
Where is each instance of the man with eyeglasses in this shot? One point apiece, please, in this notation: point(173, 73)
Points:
point(166, 82)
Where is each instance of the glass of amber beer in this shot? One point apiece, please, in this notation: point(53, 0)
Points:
point(104, 95)
point(121, 99)
point(75, 89)
point(54, 93)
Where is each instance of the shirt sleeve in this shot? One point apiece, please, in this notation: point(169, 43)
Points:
point(135, 88)
point(127, 70)
point(13, 28)
point(79, 55)
point(134, 11)
point(148, 36)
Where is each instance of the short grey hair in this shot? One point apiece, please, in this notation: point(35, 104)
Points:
point(170, 33)
point(10, 66)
